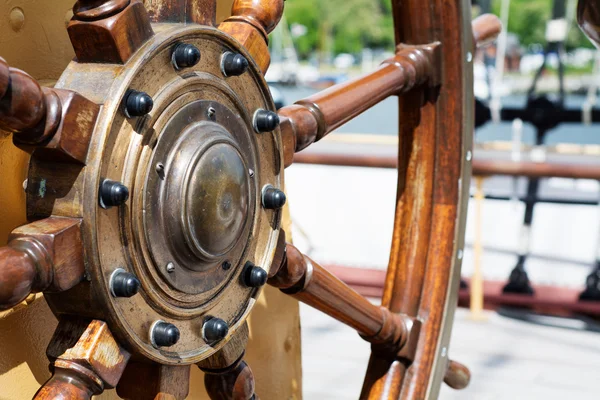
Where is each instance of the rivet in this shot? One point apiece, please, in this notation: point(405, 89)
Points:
point(469, 56)
point(17, 19)
point(211, 113)
point(469, 155)
point(251, 173)
point(254, 276)
point(214, 330)
point(160, 170)
point(112, 194)
point(265, 121)
point(460, 254)
point(138, 104)
point(233, 64)
point(170, 267)
point(164, 334)
point(272, 198)
point(444, 352)
point(124, 284)
point(185, 55)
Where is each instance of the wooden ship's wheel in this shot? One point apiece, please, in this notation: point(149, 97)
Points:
point(154, 193)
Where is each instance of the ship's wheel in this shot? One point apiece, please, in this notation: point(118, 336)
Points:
point(155, 192)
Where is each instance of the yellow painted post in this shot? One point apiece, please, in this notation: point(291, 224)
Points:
point(477, 279)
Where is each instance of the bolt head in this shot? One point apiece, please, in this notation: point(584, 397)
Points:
point(185, 55)
point(254, 276)
point(164, 334)
point(124, 284)
point(214, 330)
point(265, 121)
point(273, 198)
point(138, 104)
point(113, 194)
point(233, 64)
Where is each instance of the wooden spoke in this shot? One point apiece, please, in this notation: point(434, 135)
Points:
point(44, 255)
point(486, 29)
point(89, 361)
point(250, 23)
point(235, 383)
point(311, 119)
point(202, 12)
point(312, 284)
point(159, 382)
point(108, 31)
point(457, 375)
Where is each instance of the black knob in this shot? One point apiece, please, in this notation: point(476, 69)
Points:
point(185, 55)
point(265, 121)
point(138, 104)
point(234, 64)
point(273, 198)
point(124, 284)
point(254, 276)
point(113, 194)
point(214, 329)
point(164, 334)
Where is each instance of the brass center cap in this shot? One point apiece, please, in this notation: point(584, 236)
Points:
point(216, 202)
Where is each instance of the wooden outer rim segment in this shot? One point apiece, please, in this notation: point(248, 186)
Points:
point(310, 283)
point(250, 23)
point(435, 131)
point(486, 29)
point(44, 255)
point(203, 12)
point(109, 31)
point(89, 364)
point(311, 119)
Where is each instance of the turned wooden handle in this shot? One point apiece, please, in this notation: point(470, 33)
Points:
point(19, 273)
point(64, 385)
point(457, 375)
point(234, 384)
point(26, 109)
point(486, 29)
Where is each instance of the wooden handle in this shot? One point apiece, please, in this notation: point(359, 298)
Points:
point(233, 384)
point(250, 23)
point(313, 285)
point(311, 119)
point(27, 110)
point(457, 375)
point(46, 254)
point(486, 29)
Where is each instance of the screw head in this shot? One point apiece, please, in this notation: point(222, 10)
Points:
point(164, 334)
point(265, 121)
point(214, 329)
point(170, 267)
point(112, 194)
point(185, 55)
point(273, 198)
point(254, 276)
point(124, 284)
point(138, 104)
point(233, 64)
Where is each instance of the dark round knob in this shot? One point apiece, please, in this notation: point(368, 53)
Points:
point(234, 64)
point(124, 284)
point(113, 194)
point(138, 104)
point(185, 55)
point(265, 121)
point(214, 329)
point(254, 276)
point(273, 198)
point(165, 334)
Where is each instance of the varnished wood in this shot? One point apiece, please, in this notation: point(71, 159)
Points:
point(588, 16)
point(104, 31)
point(486, 29)
point(311, 119)
point(202, 12)
point(457, 376)
point(310, 283)
point(46, 255)
point(145, 381)
point(250, 23)
point(95, 363)
point(236, 383)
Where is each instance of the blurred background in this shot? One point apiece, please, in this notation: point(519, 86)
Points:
point(530, 294)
